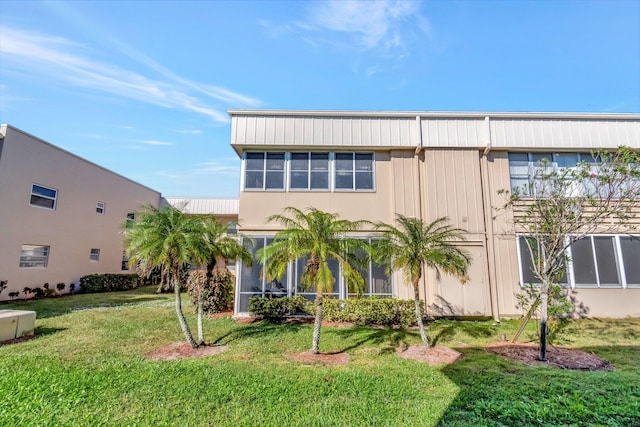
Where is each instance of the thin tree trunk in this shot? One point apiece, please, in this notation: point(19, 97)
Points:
point(200, 330)
point(181, 319)
point(416, 295)
point(315, 346)
point(544, 308)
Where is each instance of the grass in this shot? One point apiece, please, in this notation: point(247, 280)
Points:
point(88, 367)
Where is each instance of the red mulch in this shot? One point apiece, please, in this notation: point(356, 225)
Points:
point(320, 359)
point(228, 313)
point(559, 357)
point(181, 350)
point(432, 355)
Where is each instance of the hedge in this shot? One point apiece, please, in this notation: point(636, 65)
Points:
point(361, 311)
point(94, 283)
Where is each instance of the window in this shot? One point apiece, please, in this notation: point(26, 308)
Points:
point(525, 167)
point(264, 171)
point(354, 171)
point(94, 254)
point(309, 171)
point(630, 249)
point(131, 216)
point(252, 283)
point(125, 261)
point(34, 256)
point(377, 282)
point(595, 261)
point(100, 208)
point(527, 270)
point(43, 197)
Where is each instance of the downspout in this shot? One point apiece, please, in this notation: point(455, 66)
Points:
point(488, 225)
point(418, 152)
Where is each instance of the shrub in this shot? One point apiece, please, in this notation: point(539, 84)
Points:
point(277, 309)
point(108, 282)
point(371, 311)
point(216, 293)
point(3, 285)
point(14, 294)
point(60, 286)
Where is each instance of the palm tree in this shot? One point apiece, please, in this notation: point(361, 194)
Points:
point(415, 245)
point(320, 237)
point(220, 246)
point(167, 239)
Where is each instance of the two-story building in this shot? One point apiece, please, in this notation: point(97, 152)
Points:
point(374, 165)
point(61, 216)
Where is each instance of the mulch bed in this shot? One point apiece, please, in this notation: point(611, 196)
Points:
point(181, 350)
point(320, 359)
point(433, 355)
point(559, 357)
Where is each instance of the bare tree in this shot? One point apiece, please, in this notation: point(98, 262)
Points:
point(561, 205)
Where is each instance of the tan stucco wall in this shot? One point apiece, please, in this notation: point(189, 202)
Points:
point(74, 227)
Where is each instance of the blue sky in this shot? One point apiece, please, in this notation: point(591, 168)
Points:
point(142, 87)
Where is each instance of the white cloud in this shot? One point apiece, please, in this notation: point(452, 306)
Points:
point(374, 24)
point(64, 60)
point(153, 142)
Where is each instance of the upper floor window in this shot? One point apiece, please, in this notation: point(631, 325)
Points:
point(34, 256)
point(264, 171)
point(342, 171)
point(43, 197)
point(309, 171)
point(526, 169)
point(100, 208)
point(354, 171)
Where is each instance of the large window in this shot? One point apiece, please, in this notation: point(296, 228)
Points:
point(43, 197)
point(252, 283)
point(321, 171)
point(524, 168)
point(309, 171)
point(354, 171)
point(597, 261)
point(264, 171)
point(34, 256)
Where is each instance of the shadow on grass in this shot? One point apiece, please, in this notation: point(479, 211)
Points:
point(389, 338)
point(471, 329)
point(355, 337)
point(262, 329)
point(496, 391)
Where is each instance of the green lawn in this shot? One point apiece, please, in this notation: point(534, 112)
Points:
point(88, 368)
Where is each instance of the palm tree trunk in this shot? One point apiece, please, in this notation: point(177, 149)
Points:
point(315, 346)
point(200, 330)
point(544, 309)
point(416, 296)
point(181, 319)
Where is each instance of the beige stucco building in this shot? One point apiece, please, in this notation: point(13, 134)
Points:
point(60, 215)
point(374, 165)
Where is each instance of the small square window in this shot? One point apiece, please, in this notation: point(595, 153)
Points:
point(94, 255)
point(100, 208)
point(131, 216)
